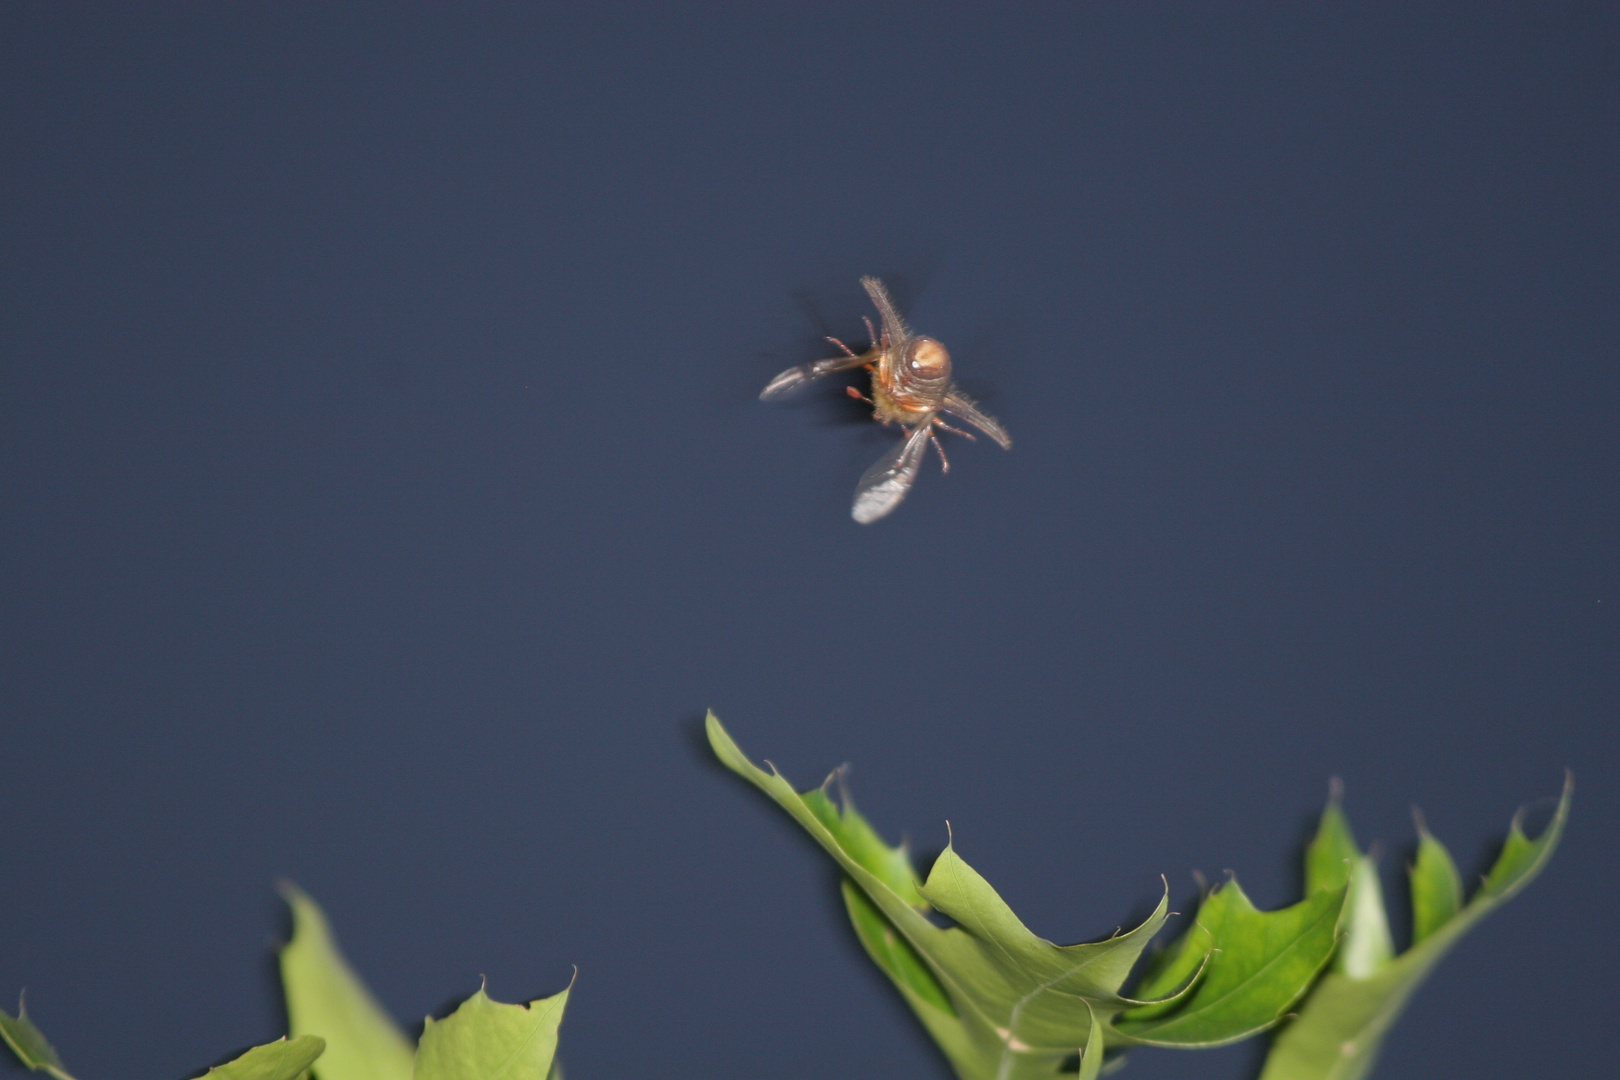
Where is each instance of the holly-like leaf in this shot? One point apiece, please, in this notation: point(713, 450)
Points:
point(1091, 1058)
point(1436, 886)
point(883, 943)
point(999, 1000)
point(894, 953)
point(29, 1043)
point(284, 1059)
point(326, 998)
point(1367, 944)
point(1343, 1022)
point(1332, 851)
point(486, 1040)
point(1249, 967)
point(854, 834)
point(969, 1042)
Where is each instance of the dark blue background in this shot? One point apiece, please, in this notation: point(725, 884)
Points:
point(385, 497)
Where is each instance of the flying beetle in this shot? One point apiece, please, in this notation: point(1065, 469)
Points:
point(912, 387)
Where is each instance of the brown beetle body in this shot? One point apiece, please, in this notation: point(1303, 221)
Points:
point(911, 386)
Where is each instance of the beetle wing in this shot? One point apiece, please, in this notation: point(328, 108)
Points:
point(795, 377)
point(962, 407)
point(894, 327)
point(890, 477)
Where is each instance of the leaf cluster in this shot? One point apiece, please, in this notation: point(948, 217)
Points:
point(340, 1032)
point(1001, 1002)
point(1338, 1032)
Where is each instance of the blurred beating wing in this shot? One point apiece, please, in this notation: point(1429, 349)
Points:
point(795, 377)
point(893, 325)
point(890, 477)
point(959, 406)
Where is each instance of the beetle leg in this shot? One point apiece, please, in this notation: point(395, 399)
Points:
point(846, 349)
point(968, 435)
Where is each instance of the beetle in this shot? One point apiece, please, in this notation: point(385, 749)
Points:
point(912, 387)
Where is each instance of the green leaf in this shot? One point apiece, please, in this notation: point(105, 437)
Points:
point(326, 998)
point(1367, 944)
point(969, 1043)
point(1342, 1025)
point(486, 1040)
point(1091, 1058)
point(1332, 852)
point(891, 865)
point(29, 1043)
point(284, 1059)
point(1436, 886)
point(893, 953)
point(1172, 974)
point(1022, 1004)
point(1259, 963)
point(1332, 860)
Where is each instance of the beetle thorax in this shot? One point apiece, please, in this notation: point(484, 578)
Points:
point(912, 380)
point(926, 361)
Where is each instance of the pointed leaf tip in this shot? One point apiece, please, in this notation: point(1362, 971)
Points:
point(997, 998)
point(29, 1043)
point(1338, 1032)
point(1437, 889)
point(725, 747)
point(1259, 964)
point(284, 1059)
point(1367, 944)
point(327, 999)
point(484, 1038)
point(1522, 858)
point(1332, 852)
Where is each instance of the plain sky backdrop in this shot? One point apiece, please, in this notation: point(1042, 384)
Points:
point(383, 498)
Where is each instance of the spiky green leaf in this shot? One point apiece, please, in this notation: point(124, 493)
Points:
point(1436, 886)
point(1367, 944)
point(1021, 1004)
point(326, 998)
point(1332, 851)
point(1091, 1057)
point(894, 953)
point(284, 1059)
point(1258, 964)
point(891, 865)
point(29, 1043)
point(1340, 1028)
point(486, 1040)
